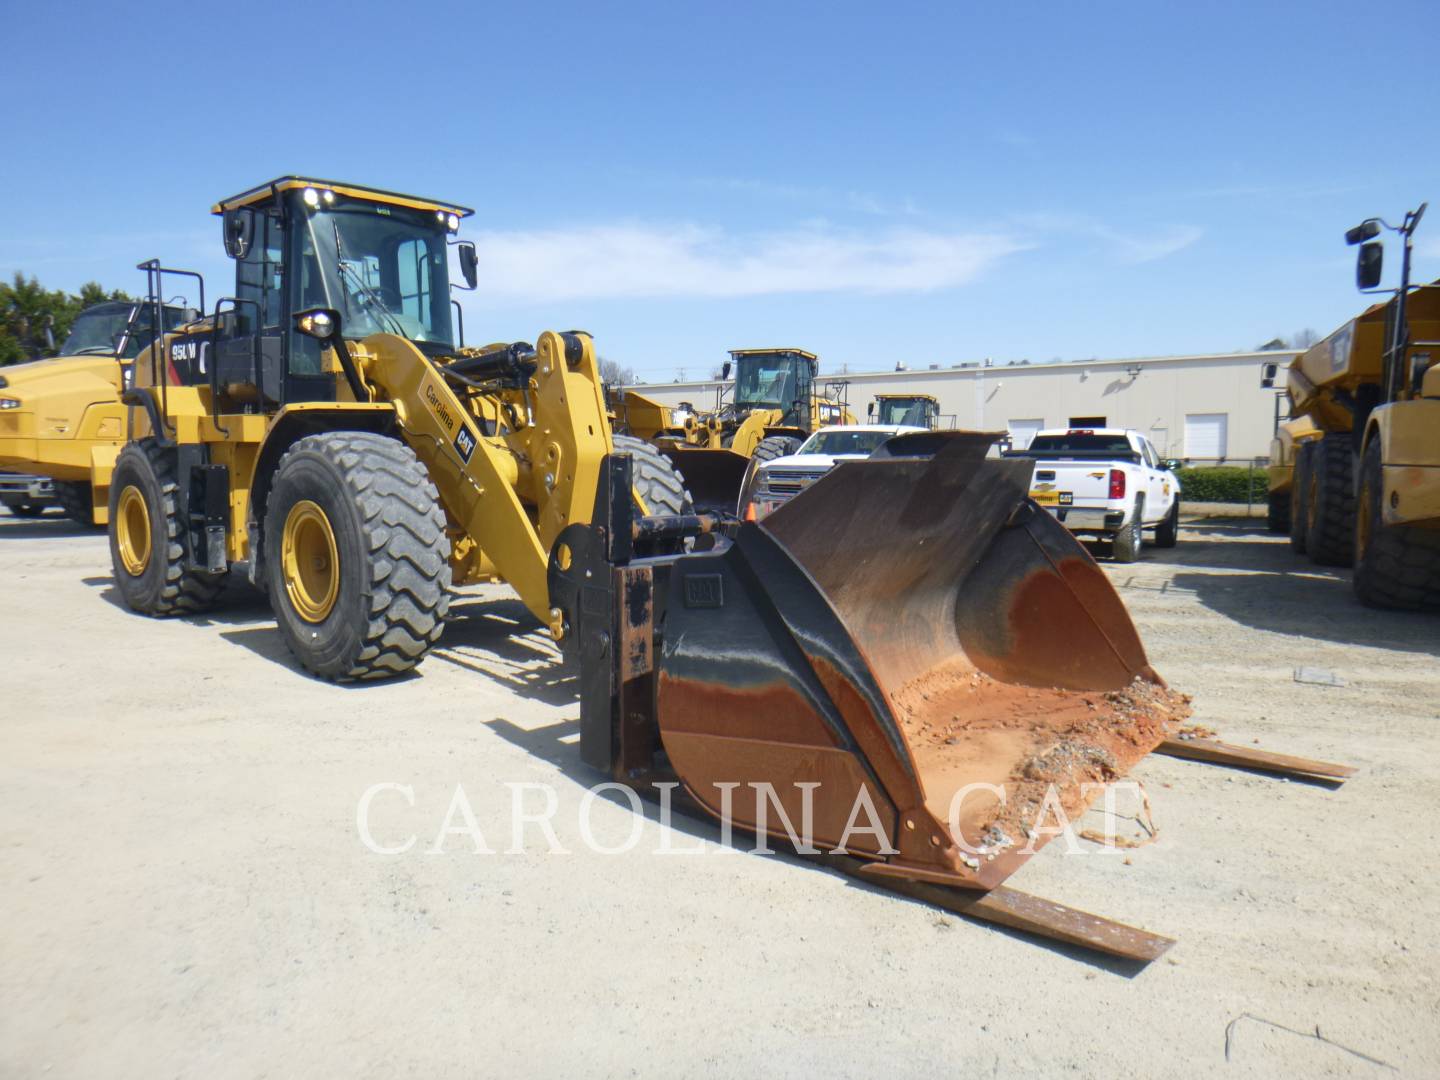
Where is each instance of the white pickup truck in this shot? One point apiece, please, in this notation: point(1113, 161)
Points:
point(778, 480)
point(1108, 483)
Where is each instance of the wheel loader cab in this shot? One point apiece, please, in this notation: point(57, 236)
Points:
point(379, 261)
point(782, 379)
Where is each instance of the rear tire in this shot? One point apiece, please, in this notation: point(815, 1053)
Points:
point(1277, 511)
point(78, 502)
point(1396, 566)
point(1131, 537)
point(1167, 533)
point(147, 544)
point(1330, 502)
point(1299, 506)
point(357, 560)
point(26, 510)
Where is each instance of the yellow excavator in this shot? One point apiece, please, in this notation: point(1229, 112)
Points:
point(881, 656)
point(61, 420)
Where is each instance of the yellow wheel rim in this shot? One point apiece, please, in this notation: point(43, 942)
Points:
point(132, 531)
point(309, 562)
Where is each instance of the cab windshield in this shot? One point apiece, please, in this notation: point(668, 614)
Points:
point(910, 411)
point(97, 330)
point(772, 380)
point(839, 443)
point(384, 268)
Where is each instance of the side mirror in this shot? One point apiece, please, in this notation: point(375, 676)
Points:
point(1171, 464)
point(323, 324)
point(1366, 230)
point(725, 370)
point(469, 263)
point(1267, 375)
point(870, 409)
point(1368, 265)
point(239, 229)
point(50, 332)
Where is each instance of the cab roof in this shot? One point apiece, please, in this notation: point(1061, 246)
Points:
point(271, 188)
point(772, 352)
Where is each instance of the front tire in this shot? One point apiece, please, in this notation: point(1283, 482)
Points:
point(1167, 533)
point(775, 446)
point(78, 502)
point(357, 560)
point(1277, 511)
point(656, 480)
point(147, 543)
point(1396, 566)
point(1299, 505)
point(25, 510)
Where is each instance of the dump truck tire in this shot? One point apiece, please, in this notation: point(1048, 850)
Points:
point(357, 560)
point(1277, 511)
point(1396, 566)
point(1299, 510)
point(657, 481)
point(1167, 533)
point(1131, 537)
point(78, 502)
point(147, 546)
point(1330, 502)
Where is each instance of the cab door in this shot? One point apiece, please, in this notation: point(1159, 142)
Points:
point(1159, 490)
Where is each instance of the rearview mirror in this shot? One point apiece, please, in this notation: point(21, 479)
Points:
point(725, 370)
point(1368, 265)
point(870, 409)
point(469, 263)
point(239, 231)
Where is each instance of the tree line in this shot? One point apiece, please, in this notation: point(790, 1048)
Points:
point(34, 320)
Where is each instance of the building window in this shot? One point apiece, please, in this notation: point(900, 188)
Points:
point(1087, 421)
point(1205, 435)
point(1022, 431)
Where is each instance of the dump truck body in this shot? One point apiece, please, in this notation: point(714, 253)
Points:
point(67, 423)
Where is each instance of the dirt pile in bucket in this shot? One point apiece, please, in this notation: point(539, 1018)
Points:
point(965, 727)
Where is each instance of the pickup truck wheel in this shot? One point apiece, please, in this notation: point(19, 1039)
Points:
point(1131, 536)
point(1299, 511)
point(26, 510)
point(1277, 511)
point(1167, 533)
point(1330, 501)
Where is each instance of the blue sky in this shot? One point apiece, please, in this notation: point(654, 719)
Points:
point(876, 183)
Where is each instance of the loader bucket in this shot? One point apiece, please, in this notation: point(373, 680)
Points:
point(713, 477)
point(916, 651)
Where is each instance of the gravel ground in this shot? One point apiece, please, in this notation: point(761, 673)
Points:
point(187, 893)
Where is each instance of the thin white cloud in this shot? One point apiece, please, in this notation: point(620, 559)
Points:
point(1133, 244)
point(640, 260)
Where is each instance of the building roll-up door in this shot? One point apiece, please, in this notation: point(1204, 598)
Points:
point(1022, 431)
point(1205, 435)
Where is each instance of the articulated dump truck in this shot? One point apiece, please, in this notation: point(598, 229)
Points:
point(61, 418)
point(1366, 487)
point(917, 662)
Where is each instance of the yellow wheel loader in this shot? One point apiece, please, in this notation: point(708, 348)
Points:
point(910, 410)
point(1366, 433)
point(773, 405)
point(61, 419)
point(908, 668)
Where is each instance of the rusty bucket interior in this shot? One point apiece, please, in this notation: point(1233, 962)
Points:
point(905, 632)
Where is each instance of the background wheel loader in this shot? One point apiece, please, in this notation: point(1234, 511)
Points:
point(908, 410)
point(61, 419)
point(773, 406)
point(906, 662)
point(1367, 484)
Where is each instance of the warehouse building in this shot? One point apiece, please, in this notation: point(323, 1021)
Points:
point(1202, 409)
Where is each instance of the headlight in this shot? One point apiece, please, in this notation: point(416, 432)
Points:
point(9, 403)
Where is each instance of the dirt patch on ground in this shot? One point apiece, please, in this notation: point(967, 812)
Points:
point(965, 727)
